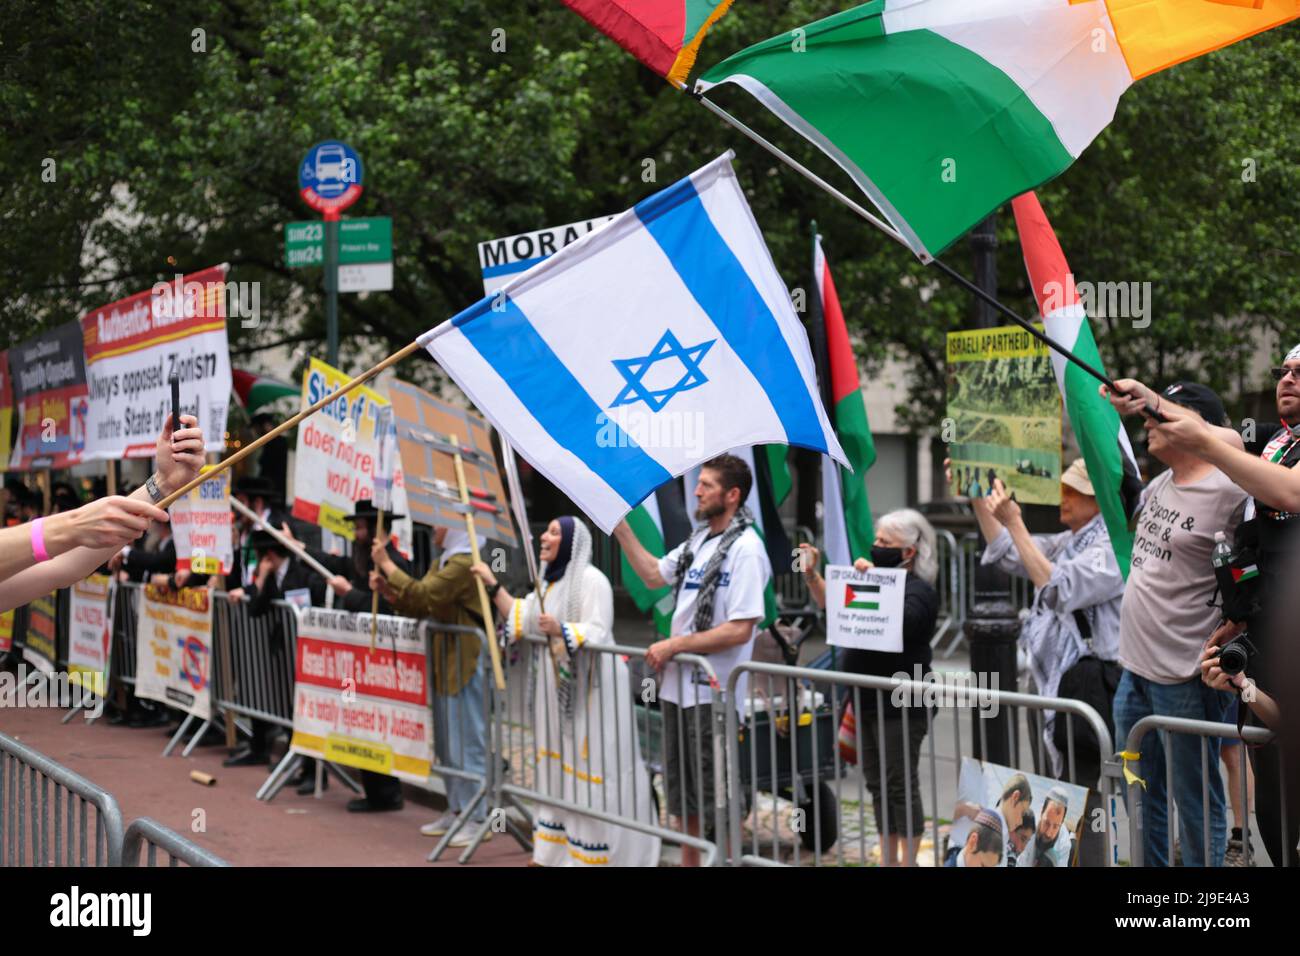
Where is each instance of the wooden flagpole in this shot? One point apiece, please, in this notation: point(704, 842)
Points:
point(484, 603)
point(284, 426)
point(374, 595)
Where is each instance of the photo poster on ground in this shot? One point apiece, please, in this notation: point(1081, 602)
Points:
point(1054, 840)
point(90, 633)
point(864, 609)
point(173, 649)
point(38, 645)
point(432, 490)
point(1004, 408)
point(337, 453)
point(201, 527)
point(133, 348)
point(359, 707)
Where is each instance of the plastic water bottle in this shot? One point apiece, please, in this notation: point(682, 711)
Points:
point(1221, 558)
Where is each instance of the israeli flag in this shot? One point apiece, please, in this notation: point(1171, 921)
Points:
point(643, 349)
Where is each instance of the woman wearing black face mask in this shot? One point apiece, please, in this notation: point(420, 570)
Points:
point(904, 539)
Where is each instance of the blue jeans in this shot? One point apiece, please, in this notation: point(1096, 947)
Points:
point(460, 739)
point(1138, 697)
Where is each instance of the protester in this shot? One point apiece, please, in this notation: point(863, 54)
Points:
point(351, 586)
point(351, 575)
point(1166, 617)
point(263, 499)
point(1017, 796)
point(448, 594)
point(904, 539)
point(1052, 841)
point(55, 552)
point(984, 843)
point(1264, 468)
point(587, 747)
point(719, 573)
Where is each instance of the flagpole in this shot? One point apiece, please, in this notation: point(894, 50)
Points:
point(293, 546)
point(284, 426)
point(894, 234)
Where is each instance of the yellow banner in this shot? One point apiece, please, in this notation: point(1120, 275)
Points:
point(980, 345)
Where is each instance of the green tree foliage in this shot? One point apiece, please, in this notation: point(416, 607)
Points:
point(175, 133)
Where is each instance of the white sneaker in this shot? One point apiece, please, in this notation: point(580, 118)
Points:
point(467, 833)
point(439, 826)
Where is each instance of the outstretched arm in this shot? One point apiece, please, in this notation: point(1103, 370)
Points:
point(90, 535)
point(645, 564)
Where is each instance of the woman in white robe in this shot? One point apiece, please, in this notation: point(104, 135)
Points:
point(586, 748)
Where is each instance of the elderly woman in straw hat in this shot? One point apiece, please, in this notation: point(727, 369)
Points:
point(1078, 587)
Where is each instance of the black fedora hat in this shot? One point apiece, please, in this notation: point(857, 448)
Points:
point(262, 540)
point(255, 486)
point(365, 508)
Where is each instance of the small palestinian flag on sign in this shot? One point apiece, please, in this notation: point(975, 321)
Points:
point(862, 597)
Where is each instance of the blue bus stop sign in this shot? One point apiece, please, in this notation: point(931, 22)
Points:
point(330, 177)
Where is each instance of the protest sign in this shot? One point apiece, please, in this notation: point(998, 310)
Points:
point(432, 490)
point(338, 452)
point(89, 633)
point(864, 609)
point(173, 651)
point(359, 707)
point(201, 527)
point(38, 645)
point(1004, 408)
point(135, 345)
point(6, 411)
point(49, 388)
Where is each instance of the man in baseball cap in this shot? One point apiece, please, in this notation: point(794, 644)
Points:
point(1167, 613)
point(1265, 468)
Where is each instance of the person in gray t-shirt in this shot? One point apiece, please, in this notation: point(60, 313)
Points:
point(1165, 620)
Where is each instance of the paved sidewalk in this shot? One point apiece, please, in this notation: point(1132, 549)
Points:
point(291, 831)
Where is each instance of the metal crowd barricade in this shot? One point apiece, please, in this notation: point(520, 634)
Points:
point(1204, 730)
point(252, 664)
point(150, 835)
point(48, 814)
point(540, 765)
point(773, 747)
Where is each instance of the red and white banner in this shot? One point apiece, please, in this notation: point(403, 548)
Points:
point(132, 348)
point(358, 707)
point(89, 633)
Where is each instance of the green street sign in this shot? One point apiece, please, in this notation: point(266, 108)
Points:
point(360, 241)
point(304, 244)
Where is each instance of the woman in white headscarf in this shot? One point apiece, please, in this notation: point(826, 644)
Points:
point(587, 752)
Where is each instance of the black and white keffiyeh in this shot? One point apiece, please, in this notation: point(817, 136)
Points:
point(712, 571)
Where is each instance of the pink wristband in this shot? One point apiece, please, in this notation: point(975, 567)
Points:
point(38, 541)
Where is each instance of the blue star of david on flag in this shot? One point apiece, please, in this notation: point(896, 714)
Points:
point(668, 348)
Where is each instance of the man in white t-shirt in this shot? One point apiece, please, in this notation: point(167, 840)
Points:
point(720, 573)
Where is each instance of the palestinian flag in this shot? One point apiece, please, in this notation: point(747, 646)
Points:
point(1097, 427)
point(862, 597)
point(665, 35)
point(254, 391)
point(847, 526)
point(771, 484)
point(941, 110)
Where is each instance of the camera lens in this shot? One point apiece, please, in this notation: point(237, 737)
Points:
point(1232, 659)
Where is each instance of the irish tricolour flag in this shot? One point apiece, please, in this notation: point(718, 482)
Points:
point(941, 110)
point(1097, 427)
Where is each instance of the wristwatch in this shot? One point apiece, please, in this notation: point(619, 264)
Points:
point(493, 588)
point(155, 492)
